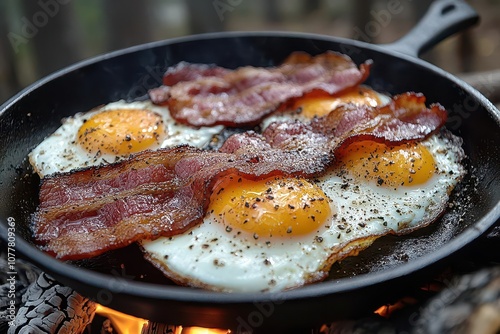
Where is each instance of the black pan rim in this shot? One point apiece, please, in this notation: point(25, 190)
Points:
point(186, 294)
point(183, 294)
point(382, 48)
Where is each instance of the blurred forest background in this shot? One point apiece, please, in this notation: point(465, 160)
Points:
point(42, 36)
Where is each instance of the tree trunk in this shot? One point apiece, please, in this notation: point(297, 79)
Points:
point(127, 21)
point(52, 30)
point(207, 16)
point(9, 83)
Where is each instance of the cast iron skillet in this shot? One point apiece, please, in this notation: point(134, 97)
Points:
point(123, 281)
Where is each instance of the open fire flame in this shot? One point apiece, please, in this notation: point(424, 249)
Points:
point(127, 324)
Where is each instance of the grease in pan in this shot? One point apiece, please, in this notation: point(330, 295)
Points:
point(373, 189)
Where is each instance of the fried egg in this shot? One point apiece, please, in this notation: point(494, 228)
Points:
point(282, 233)
point(112, 133)
point(308, 107)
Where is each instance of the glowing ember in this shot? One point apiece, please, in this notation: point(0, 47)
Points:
point(127, 324)
point(201, 330)
point(386, 310)
point(123, 323)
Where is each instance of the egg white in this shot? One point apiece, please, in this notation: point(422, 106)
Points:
point(60, 152)
point(218, 258)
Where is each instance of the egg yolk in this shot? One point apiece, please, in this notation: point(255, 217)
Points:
point(269, 207)
point(400, 165)
point(120, 131)
point(317, 106)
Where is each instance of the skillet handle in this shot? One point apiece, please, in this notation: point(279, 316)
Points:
point(443, 19)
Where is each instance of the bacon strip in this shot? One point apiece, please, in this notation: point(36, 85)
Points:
point(186, 72)
point(200, 95)
point(165, 192)
point(183, 72)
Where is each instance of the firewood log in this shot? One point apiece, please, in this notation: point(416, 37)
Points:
point(48, 307)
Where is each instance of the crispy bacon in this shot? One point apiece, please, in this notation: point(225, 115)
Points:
point(81, 225)
point(210, 95)
point(405, 118)
point(165, 192)
point(183, 72)
point(186, 72)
